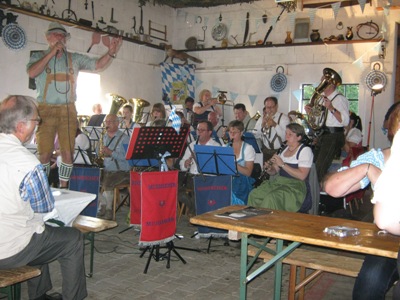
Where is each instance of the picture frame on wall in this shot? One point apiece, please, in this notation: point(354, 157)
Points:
point(302, 30)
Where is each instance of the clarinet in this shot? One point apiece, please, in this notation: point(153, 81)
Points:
point(184, 182)
point(261, 178)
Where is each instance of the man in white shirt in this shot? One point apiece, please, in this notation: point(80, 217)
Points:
point(187, 163)
point(332, 140)
point(270, 129)
point(26, 195)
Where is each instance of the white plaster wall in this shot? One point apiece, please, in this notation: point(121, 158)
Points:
point(135, 72)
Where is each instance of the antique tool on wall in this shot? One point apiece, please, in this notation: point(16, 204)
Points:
point(141, 29)
point(112, 16)
point(69, 14)
point(86, 4)
point(289, 6)
point(318, 113)
point(92, 10)
point(246, 31)
point(134, 25)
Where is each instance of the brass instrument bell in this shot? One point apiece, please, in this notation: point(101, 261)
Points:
point(138, 107)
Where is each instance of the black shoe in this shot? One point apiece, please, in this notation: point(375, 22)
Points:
point(53, 296)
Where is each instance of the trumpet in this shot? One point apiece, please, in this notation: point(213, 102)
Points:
point(266, 129)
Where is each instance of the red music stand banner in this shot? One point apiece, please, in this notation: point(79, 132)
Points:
point(136, 199)
point(158, 196)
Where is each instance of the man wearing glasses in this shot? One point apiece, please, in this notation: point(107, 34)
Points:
point(25, 197)
point(116, 167)
point(187, 164)
point(270, 129)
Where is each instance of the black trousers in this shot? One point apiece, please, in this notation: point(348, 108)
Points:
point(328, 146)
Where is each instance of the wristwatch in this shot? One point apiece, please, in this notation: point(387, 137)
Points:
point(112, 55)
point(333, 110)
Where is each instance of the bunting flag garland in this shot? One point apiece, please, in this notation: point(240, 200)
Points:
point(252, 99)
point(297, 95)
point(362, 4)
point(233, 96)
point(198, 82)
point(335, 7)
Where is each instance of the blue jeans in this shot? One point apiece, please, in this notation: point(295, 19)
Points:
point(376, 277)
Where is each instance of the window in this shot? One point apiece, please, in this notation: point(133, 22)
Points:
point(87, 92)
point(351, 92)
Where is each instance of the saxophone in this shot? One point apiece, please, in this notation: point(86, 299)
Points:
point(99, 160)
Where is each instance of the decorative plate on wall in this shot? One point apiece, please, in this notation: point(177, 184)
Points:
point(375, 77)
point(279, 80)
point(14, 36)
point(219, 32)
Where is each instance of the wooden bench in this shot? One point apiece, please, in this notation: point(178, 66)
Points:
point(89, 226)
point(315, 260)
point(10, 280)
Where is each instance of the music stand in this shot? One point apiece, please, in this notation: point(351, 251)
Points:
point(82, 157)
point(152, 143)
point(93, 132)
point(216, 160)
point(96, 120)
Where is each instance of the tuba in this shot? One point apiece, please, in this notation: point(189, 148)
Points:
point(117, 103)
point(318, 113)
point(138, 107)
point(83, 120)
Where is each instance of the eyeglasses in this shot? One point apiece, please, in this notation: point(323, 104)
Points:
point(234, 132)
point(201, 130)
point(38, 120)
point(270, 107)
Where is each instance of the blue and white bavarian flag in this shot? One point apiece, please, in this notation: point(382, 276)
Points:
point(175, 119)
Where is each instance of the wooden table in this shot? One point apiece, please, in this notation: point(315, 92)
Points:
point(297, 228)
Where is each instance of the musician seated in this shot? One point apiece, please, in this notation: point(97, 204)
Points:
point(187, 164)
point(158, 112)
point(241, 114)
point(289, 190)
point(218, 131)
point(245, 155)
point(127, 121)
point(116, 167)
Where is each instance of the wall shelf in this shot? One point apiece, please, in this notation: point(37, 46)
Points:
point(287, 45)
point(30, 13)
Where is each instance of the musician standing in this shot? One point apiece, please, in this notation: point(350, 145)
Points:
point(202, 108)
point(55, 71)
point(330, 143)
point(242, 115)
point(271, 128)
